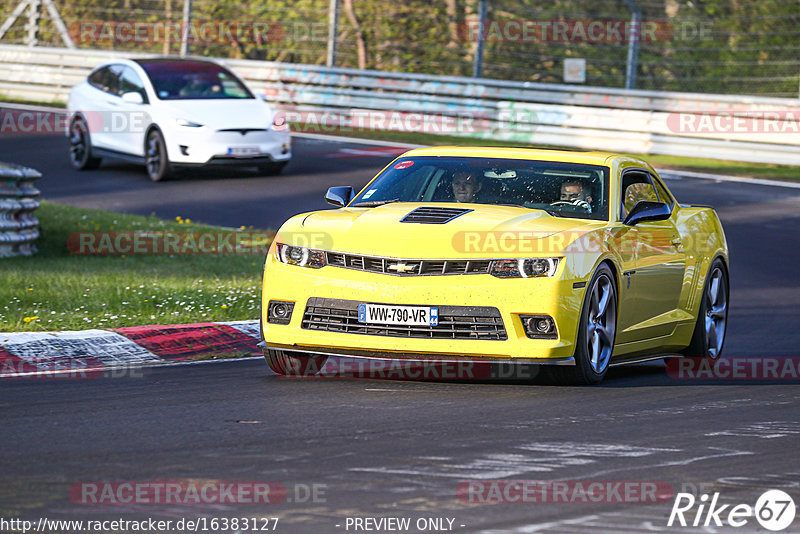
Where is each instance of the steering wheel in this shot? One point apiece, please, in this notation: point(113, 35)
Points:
point(577, 203)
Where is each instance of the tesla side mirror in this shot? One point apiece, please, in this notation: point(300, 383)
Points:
point(339, 196)
point(644, 210)
point(133, 98)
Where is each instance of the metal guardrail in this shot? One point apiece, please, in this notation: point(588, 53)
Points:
point(19, 227)
point(632, 121)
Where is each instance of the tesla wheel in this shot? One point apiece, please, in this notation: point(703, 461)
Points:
point(80, 146)
point(284, 363)
point(155, 155)
point(271, 169)
point(596, 333)
point(712, 318)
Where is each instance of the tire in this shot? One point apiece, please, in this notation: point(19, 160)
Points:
point(271, 169)
point(80, 146)
point(289, 364)
point(156, 158)
point(708, 337)
point(597, 332)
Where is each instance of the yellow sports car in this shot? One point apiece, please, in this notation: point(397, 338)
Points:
point(573, 260)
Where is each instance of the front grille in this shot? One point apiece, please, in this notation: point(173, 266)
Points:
point(455, 322)
point(376, 264)
point(433, 215)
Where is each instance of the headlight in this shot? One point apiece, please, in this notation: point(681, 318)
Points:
point(188, 124)
point(524, 267)
point(300, 256)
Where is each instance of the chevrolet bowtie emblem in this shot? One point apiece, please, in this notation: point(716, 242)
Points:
point(401, 268)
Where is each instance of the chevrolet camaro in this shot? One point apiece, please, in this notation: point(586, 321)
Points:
point(576, 261)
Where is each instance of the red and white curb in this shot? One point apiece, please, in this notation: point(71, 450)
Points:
point(45, 353)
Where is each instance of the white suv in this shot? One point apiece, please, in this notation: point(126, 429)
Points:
point(167, 113)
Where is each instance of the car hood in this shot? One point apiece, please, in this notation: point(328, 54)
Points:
point(222, 113)
point(485, 232)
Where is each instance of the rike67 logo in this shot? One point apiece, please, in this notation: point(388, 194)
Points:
point(774, 510)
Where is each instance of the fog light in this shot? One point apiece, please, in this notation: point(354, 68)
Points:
point(279, 311)
point(539, 326)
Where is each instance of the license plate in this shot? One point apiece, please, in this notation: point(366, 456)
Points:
point(243, 151)
point(403, 315)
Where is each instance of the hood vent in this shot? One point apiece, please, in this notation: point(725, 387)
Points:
point(434, 215)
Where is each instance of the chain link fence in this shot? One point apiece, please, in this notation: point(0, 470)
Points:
point(748, 47)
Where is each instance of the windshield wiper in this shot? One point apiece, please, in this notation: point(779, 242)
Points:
point(374, 203)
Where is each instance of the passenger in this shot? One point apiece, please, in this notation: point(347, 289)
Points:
point(466, 185)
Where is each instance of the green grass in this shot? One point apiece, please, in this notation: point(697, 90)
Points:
point(737, 168)
point(52, 104)
point(57, 290)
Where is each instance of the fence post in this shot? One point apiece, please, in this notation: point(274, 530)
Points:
point(333, 29)
point(477, 66)
point(633, 44)
point(187, 19)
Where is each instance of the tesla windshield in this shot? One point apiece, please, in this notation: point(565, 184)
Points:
point(192, 80)
point(561, 189)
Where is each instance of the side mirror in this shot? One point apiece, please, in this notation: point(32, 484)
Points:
point(644, 210)
point(340, 196)
point(133, 98)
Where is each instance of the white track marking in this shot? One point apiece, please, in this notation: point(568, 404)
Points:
point(763, 430)
point(53, 350)
point(549, 457)
point(251, 328)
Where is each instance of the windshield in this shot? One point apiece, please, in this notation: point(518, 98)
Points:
point(192, 80)
point(561, 189)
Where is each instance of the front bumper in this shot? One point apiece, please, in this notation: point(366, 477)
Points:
point(201, 146)
point(554, 296)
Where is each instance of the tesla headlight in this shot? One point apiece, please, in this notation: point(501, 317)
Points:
point(524, 267)
point(188, 124)
point(301, 256)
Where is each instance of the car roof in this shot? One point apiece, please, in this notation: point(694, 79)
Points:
point(570, 156)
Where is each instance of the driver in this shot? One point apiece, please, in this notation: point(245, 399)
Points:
point(466, 186)
point(576, 193)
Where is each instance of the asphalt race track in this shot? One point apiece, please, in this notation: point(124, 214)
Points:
point(386, 448)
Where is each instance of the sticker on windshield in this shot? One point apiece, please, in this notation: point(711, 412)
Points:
point(368, 194)
point(163, 94)
point(404, 165)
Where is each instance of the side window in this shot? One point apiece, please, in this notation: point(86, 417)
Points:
point(663, 196)
point(636, 187)
point(105, 80)
point(129, 82)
